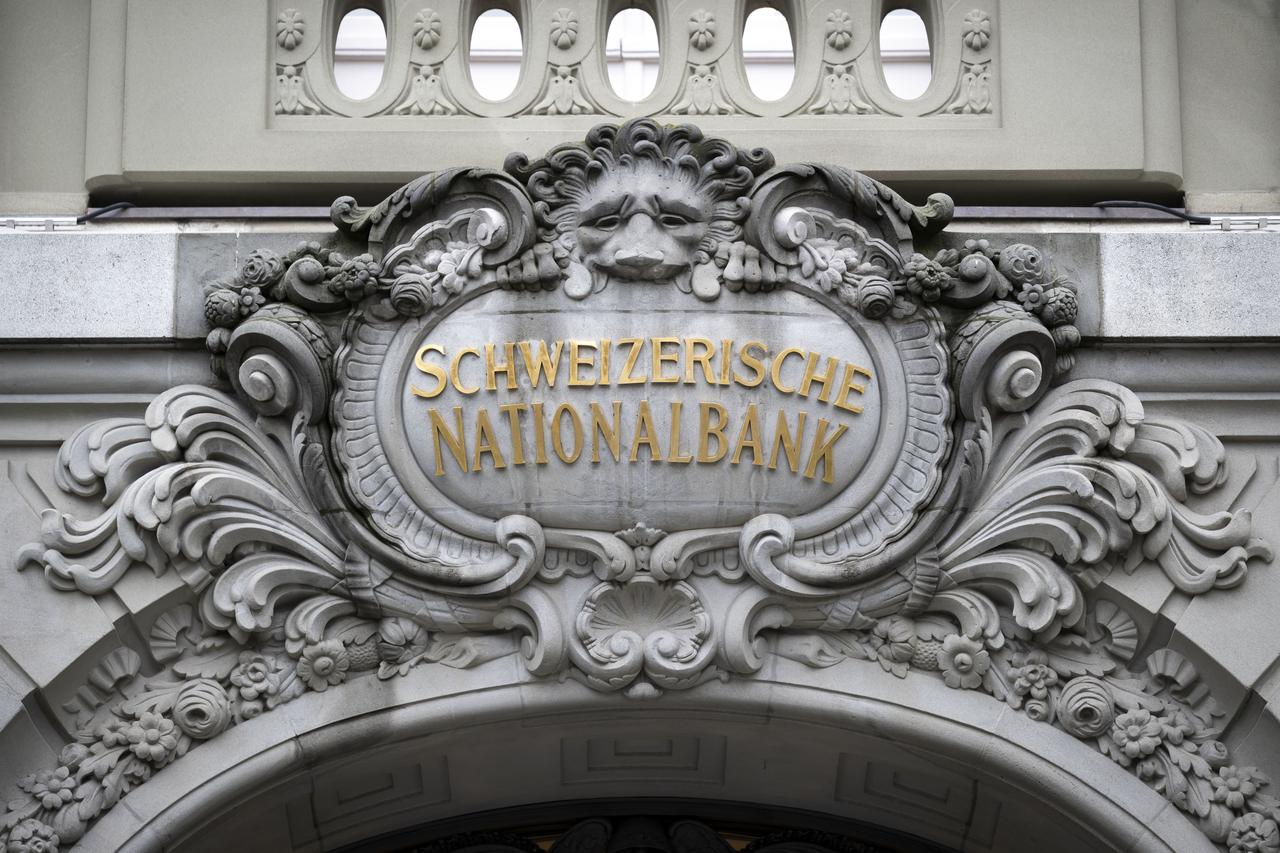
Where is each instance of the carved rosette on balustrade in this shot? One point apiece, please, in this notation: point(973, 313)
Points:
point(865, 449)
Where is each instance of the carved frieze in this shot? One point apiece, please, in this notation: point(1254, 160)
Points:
point(645, 411)
point(838, 67)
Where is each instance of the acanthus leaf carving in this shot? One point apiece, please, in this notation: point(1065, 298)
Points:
point(317, 549)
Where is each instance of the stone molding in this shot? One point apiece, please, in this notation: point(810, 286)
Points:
point(1013, 495)
point(701, 73)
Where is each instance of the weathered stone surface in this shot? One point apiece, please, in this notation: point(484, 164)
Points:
point(85, 285)
point(1203, 283)
point(307, 537)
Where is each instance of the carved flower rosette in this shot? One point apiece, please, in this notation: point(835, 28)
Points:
point(645, 411)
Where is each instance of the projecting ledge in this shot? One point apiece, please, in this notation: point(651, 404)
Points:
point(146, 282)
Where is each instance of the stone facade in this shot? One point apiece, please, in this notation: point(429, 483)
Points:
point(639, 466)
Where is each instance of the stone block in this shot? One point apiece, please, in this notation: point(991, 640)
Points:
point(88, 284)
point(1204, 284)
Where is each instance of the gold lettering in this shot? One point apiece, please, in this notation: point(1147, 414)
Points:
point(453, 370)
point(826, 379)
point(456, 442)
point(492, 368)
point(486, 442)
point(578, 360)
point(674, 453)
point(726, 359)
point(512, 411)
point(539, 435)
point(605, 347)
point(433, 370)
point(847, 384)
point(822, 451)
point(557, 429)
point(645, 434)
point(599, 428)
point(661, 358)
point(790, 444)
point(756, 364)
point(542, 363)
point(633, 356)
point(775, 372)
point(750, 426)
point(693, 358)
point(707, 429)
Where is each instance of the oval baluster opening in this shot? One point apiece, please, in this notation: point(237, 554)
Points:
point(633, 55)
point(495, 54)
point(768, 53)
point(359, 53)
point(905, 55)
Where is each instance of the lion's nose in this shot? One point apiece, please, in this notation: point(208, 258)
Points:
point(637, 258)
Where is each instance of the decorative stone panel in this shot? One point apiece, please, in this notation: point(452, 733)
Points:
point(647, 413)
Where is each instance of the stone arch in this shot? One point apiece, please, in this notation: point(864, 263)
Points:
point(990, 605)
point(338, 768)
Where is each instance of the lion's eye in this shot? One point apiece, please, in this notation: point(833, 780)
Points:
point(606, 223)
point(673, 220)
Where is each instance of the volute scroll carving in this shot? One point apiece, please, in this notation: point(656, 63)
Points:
point(645, 411)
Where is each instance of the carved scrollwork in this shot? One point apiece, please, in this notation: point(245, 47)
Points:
point(962, 536)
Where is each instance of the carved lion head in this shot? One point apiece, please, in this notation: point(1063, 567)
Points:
point(641, 202)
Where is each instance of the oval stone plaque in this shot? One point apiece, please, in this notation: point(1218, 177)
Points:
point(614, 411)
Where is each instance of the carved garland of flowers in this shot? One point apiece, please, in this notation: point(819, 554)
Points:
point(1142, 721)
point(234, 658)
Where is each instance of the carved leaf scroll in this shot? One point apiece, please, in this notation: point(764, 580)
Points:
point(976, 558)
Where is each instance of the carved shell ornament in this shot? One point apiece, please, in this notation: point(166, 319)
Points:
point(645, 411)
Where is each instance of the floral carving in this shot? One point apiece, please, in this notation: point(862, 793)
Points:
point(202, 709)
point(427, 28)
point(702, 29)
point(977, 29)
point(32, 836)
point(839, 29)
point(289, 29)
point(963, 662)
point(564, 28)
point(239, 496)
point(152, 738)
point(1254, 833)
point(324, 665)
